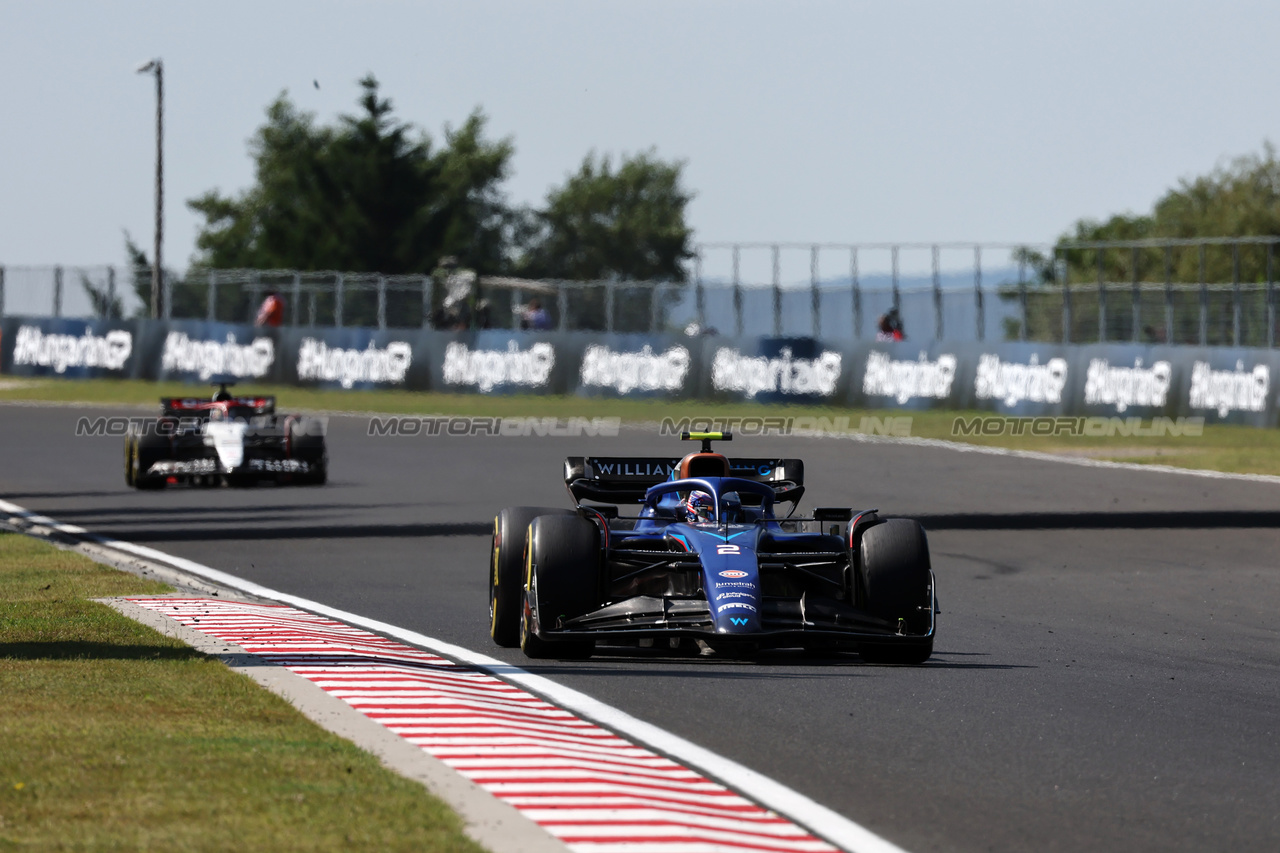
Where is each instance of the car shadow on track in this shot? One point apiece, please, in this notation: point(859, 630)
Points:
point(1182, 519)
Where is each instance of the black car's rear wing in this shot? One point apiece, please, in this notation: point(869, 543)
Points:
point(625, 479)
point(199, 407)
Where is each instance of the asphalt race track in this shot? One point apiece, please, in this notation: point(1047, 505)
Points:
point(1106, 669)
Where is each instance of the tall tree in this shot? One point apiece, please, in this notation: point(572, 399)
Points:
point(623, 224)
point(369, 194)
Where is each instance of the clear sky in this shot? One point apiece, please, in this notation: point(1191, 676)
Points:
point(819, 121)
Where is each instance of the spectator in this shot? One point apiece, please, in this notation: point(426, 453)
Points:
point(889, 327)
point(272, 311)
point(534, 316)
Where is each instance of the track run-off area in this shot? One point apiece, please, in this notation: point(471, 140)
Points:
point(1105, 675)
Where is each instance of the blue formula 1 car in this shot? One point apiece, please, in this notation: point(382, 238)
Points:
point(708, 564)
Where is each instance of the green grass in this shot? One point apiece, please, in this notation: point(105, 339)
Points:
point(114, 737)
point(1221, 448)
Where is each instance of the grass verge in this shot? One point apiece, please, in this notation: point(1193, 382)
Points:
point(113, 736)
point(1238, 449)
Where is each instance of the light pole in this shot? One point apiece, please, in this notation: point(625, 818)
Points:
point(156, 66)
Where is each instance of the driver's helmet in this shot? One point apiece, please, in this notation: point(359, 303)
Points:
point(731, 508)
point(700, 506)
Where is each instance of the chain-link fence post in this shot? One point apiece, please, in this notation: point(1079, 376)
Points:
point(57, 291)
point(1022, 297)
point(311, 305)
point(1168, 294)
point(937, 293)
point(977, 292)
point(1204, 300)
point(211, 297)
point(1066, 295)
point(427, 287)
point(109, 308)
point(737, 292)
point(1235, 294)
point(699, 295)
point(1271, 298)
point(1137, 299)
point(609, 287)
point(1, 291)
point(297, 297)
point(166, 289)
point(856, 292)
point(382, 304)
point(1102, 295)
point(655, 310)
point(562, 304)
point(777, 292)
point(815, 296)
point(893, 258)
point(339, 297)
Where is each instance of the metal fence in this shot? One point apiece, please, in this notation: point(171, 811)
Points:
point(1205, 292)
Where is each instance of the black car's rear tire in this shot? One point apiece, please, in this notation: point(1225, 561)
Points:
point(562, 578)
point(507, 569)
point(897, 584)
point(148, 447)
point(306, 442)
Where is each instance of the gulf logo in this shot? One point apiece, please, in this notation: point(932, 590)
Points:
point(733, 573)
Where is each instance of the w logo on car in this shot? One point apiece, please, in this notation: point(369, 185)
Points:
point(738, 620)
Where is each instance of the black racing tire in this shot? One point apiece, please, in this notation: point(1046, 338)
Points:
point(897, 581)
point(507, 569)
point(149, 447)
point(308, 445)
point(562, 578)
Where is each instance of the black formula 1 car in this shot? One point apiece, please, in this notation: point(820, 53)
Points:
point(707, 563)
point(227, 440)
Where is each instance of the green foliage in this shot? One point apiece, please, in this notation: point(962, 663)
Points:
point(367, 195)
point(607, 224)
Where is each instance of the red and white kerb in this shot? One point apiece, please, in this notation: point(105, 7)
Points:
point(595, 791)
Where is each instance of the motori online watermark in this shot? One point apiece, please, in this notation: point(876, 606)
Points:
point(510, 427)
point(1077, 427)
point(898, 427)
point(138, 426)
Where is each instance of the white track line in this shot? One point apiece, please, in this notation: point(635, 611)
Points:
point(815, 817)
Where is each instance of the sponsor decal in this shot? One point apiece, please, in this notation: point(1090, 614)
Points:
point(1123, 387)
point(736, 605)
point(742, 584)
point(190, 466)
point(630, 371)
point(738, 620)
point(647, 468)
point(318, 361)
point(1012, 382)
point(207, 358)
point(733, 573)
point(733, 371)
point(906, 380)
point(734, 595)
point(1229, 390)
point(109, 351)
point(280, 466)
point(487, 369)
point(728, 549)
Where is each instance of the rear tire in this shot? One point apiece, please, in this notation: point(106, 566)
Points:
point(149, 447)
point(507, 570)
point(307, 444)
point(562, 577)
point(897, 584)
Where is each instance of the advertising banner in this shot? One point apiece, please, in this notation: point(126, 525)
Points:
point(76, 349)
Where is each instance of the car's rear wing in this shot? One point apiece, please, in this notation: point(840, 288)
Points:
point(625, 479)
point(199, 406)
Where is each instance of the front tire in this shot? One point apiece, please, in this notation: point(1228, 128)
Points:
point(507, 570)
point(562, 576)
point(149, 447)
point(897, 583)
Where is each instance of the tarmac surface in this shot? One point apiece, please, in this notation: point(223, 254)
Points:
point(1105, 676)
